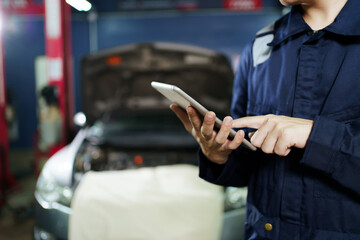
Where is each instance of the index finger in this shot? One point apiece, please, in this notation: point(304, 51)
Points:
point(249, 122)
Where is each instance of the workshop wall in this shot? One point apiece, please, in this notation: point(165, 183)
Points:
point(227, 32)
point(23, 42)
point(118, 5)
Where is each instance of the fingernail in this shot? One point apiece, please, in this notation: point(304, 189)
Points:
point(211, 116)
point(227, 120)
point(242, 133)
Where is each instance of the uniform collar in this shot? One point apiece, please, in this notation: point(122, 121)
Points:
point(347, 23)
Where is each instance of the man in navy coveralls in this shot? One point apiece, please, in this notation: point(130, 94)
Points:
point(297, 87)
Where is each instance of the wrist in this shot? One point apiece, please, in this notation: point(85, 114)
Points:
point(220, 159)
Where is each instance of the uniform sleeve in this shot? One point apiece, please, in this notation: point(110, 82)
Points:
point(334, 149)
point(236, 170)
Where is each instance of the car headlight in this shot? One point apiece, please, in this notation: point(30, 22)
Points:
point(51, 191)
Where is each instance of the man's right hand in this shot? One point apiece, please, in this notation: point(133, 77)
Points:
point(215, 145)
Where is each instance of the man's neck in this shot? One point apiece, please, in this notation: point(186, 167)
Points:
point(322, 13)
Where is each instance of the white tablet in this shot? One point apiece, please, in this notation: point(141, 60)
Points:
point(178, 96)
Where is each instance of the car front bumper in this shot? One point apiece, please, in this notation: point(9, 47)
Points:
point(52, 219)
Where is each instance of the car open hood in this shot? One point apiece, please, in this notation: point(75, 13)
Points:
point(141, 130)
point(119, 79)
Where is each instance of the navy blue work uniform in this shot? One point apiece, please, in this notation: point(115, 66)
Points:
point(289, 69)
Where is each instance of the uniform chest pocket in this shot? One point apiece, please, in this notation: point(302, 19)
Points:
point(329, 188)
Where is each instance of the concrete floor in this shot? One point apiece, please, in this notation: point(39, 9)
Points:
point(16, 217)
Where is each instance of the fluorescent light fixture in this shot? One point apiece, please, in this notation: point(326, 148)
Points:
point(80, 5)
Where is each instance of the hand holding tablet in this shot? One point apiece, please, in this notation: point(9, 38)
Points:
point(176, 95)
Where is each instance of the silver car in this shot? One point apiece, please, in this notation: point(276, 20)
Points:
point(126, 117)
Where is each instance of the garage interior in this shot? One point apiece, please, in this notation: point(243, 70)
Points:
point(44, 84)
